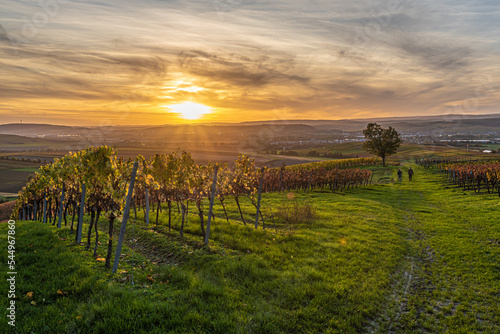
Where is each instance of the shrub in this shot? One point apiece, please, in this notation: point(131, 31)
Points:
point(296, 212)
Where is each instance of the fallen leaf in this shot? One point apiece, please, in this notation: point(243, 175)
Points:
point(62, 293)
point(33, 303)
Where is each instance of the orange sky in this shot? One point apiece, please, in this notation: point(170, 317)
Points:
point(124, 62)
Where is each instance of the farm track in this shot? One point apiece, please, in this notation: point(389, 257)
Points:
point(410, 278)
point(412, 305)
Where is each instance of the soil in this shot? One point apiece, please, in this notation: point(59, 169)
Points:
point(6, 210)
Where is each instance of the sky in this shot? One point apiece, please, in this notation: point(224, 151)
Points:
point(124, 62)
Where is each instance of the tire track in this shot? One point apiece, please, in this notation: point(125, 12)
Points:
point(411, 280)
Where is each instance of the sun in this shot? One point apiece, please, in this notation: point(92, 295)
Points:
point(190, 110)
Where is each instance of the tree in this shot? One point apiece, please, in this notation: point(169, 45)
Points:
point(381, 142)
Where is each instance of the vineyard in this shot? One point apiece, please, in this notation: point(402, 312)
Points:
point(350, 269)
point(95, 181)
point(469, 174)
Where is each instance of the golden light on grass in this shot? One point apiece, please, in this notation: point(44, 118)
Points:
point(190, 110)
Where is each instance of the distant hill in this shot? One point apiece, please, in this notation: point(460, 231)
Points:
point(479, 123)
point(452, 123)
point(47, 130)
point(34, 130)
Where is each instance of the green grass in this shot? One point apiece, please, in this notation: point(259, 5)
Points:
point(4, 199)
point(410, 257)
point(32, 169)
point(407, 152)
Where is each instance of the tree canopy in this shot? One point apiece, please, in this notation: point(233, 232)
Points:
point(381, 142)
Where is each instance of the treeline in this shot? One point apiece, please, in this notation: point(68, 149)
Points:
point(313, 153)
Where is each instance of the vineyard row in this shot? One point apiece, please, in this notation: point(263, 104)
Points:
point(470, 174)
point(95, 180)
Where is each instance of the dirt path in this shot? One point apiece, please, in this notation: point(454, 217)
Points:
point(410, 307)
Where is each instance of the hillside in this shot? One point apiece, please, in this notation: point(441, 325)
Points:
point(456, 123)
point(395, 257)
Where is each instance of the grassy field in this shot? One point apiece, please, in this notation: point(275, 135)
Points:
point(394, 257)
point(407, 152)
point(13, 174)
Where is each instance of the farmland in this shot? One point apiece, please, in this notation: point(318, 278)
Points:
point(391, 257)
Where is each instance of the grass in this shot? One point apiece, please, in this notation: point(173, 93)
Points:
point(13, 174)
point(4, 199)
point(407, 152)
point(393, 257)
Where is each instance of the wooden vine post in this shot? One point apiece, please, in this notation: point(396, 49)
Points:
point(44, 208)
point(259, 196)
point(80, 219)
point(125, 217)
point(211, 207)
point(147, 206)
point(61, 208)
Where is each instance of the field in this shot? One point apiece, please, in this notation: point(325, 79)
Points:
point(13, 174)
point(391, 257)
point(407, 152)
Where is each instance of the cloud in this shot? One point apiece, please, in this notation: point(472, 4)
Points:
point(240, 70)
point(3, 35)
point(315, 58)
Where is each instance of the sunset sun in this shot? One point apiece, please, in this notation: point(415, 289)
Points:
point(190, 110)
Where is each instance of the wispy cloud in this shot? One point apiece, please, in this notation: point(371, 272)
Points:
point(124, 60)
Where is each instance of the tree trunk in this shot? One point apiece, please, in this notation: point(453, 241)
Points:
point(183, 207)
point(96, 232)
point(110, 242)
point(169, 215)
point(202, 219)
point(56, 208)
point(135, 209)
point(239, 208)
point(224, 207)
point(73, 220)
point(157, 212)
point(89, 233)
point(66, 213)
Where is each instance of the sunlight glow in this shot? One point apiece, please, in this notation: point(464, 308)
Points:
point(190, 110)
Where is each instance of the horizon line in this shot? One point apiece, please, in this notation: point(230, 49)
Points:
point(262, 121)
